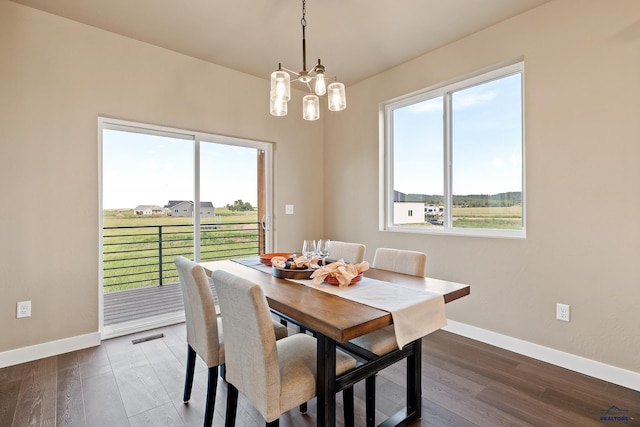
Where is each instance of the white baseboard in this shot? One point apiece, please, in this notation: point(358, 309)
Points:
point(48, 349)
point(54, 348)
point(569, 361)
point(145, 324)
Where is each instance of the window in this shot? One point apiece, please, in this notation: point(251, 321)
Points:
point(458, 150)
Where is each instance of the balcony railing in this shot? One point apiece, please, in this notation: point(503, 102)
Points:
point(136, 256)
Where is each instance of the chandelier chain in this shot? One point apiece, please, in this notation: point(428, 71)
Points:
point(303, 21)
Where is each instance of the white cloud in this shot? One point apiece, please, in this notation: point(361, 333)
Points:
point(427, 106)
point(470, 99)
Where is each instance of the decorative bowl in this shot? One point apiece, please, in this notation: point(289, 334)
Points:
point(285, 273)
point(266, 258)
point(331, 280)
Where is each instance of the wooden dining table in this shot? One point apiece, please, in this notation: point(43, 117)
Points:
point(336, 320)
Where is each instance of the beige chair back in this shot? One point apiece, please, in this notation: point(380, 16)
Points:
point(401, 261)
point(251, 352)
point(200, 312)
point(350, 252)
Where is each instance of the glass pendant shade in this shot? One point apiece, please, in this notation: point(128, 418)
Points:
point(280, 85)
point(278, 107)
point(321, 85)
point(337, 98)
point(310, 107)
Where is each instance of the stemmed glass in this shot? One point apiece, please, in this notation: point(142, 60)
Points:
point(309, 250)
point(324, 247)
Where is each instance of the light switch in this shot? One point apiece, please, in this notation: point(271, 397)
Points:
point(288, 209)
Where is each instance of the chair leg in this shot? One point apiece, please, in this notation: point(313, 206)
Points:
point(275, 423)
point(347, 398)
point(188, 382)
point(283, 322)
point(232, 405)
point(223, 372)
point(370, 400)
point(303, 408)
point(212, 386)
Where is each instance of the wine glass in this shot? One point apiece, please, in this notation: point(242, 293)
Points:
point(324, 247)
point(309, 250)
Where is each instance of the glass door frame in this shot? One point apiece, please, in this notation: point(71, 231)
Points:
point(265, 199)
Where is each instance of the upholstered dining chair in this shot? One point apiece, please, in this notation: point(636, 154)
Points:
point(275, 376)
point(204, 330)
point(400, 261)
point(383, 340)
point(350, 252)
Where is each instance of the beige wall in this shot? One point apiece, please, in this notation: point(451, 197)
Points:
point(582, 108)
point(582, 145)
point(56, 78)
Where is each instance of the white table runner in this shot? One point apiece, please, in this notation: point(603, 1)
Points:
point(415, 312)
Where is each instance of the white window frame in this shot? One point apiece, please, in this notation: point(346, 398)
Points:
point(386, 155)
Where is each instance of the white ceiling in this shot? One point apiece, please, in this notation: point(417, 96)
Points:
point(354, 38)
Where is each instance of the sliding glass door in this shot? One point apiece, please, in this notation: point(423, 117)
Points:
point(168, 192)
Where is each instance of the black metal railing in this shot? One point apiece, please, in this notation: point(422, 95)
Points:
point(136, 256)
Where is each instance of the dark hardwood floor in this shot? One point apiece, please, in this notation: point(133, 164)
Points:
point(465, 383)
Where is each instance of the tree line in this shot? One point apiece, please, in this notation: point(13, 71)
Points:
point(240, 206)
point(511, 198)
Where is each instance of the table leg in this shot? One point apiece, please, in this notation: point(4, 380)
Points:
point(326, 381)
point(414, 380)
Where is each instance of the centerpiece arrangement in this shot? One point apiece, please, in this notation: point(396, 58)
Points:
point(313, 265)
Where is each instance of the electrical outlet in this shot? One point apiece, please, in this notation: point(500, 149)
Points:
point(24, 309)
point(288, 209)
point(563, 312)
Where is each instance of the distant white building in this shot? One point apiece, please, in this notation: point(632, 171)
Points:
point(185, 208)
point(408, 212)
point(147, 210)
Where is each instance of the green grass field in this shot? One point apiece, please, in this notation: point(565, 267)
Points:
point(132, 252)
point(125, 217)
point(502, 218)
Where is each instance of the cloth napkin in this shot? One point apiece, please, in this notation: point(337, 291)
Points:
point(342, 271)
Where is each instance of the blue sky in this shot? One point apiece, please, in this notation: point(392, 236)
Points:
point(141, 169)
point(487, 147)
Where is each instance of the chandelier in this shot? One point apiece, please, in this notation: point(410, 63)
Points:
point(281, 85)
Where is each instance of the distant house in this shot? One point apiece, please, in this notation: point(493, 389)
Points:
point(147, 210)
point(185, 208)
point(408, 212)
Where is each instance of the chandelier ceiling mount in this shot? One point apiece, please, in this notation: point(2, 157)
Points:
point(281, 85)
